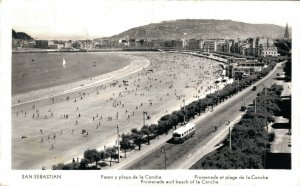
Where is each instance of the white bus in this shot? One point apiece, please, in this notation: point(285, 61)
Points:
point(184, 132)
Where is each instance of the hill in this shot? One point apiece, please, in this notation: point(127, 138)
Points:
point(20, 35)
point(204, 28)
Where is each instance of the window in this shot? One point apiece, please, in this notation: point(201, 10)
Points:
point(177, 135)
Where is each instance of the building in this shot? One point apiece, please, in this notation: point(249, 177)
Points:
point(244, 49)
point(158, 43)
point(251, 42)
point(123, 43)
point(76, 45)
point(193, 44)
point(41, 44)
point(28, 44)
point(169, 44)
point(131, 42)
point(268, 51)
point(236, 60)
point(173, 44)
point(67, 45)
point(140, 42)
point(236, 47)
point(226, 46)
point(178, 43)
point(262, 42)
point(210, 45)
point(264, 46)
point(251, 67)
point(55, 46)
point(201, 43)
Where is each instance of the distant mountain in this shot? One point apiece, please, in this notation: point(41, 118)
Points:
point(20, 35)
point(204, 28)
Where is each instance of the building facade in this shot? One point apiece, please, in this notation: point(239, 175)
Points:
point(210, 45)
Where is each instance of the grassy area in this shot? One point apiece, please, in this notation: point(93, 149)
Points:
point(32, 71)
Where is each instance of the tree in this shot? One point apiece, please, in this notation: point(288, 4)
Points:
point(91, 155)
point(250, 139)
point(84, 164)
point(174, 119)
point(111, 152)
point(146, 131)
point(137, 137)
point(58, 166)
point(125, 144)
point(153, 129)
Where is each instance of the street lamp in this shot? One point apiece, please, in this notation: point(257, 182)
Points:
point(184, 111)
point(163, 149)
point(144, 113)
point(118, 138)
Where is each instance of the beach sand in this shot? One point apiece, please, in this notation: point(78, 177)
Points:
point(158, 89)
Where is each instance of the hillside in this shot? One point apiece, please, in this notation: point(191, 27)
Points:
point(196, 28)
point(20, 35)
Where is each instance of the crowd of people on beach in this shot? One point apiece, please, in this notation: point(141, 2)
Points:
point(169, 77)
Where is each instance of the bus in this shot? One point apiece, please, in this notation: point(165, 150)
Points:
point(184, 132)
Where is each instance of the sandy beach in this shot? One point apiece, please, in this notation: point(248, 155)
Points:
point(52, 133)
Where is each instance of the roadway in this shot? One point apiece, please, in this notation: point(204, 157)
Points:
point(183, 156)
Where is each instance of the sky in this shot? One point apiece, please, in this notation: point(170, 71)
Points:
point(81, 19)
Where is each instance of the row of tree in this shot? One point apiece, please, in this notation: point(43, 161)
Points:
point(250, 138)
point(137, 137)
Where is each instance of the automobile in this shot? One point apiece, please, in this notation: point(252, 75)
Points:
point(253, 88)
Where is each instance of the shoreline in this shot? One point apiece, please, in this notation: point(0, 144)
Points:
point(161, 71)
point(136, 64)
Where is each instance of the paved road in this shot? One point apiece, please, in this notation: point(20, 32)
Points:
point(184, 155)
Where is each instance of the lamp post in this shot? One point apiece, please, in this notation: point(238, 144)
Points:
point(230, 138)
point(144, 113)
point(118, 138)
point(184, 111)
point(163, 149)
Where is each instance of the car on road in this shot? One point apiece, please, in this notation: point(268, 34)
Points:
point(253, 88)
point(243, 108)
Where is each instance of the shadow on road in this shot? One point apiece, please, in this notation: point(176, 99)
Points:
point(281, 126)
